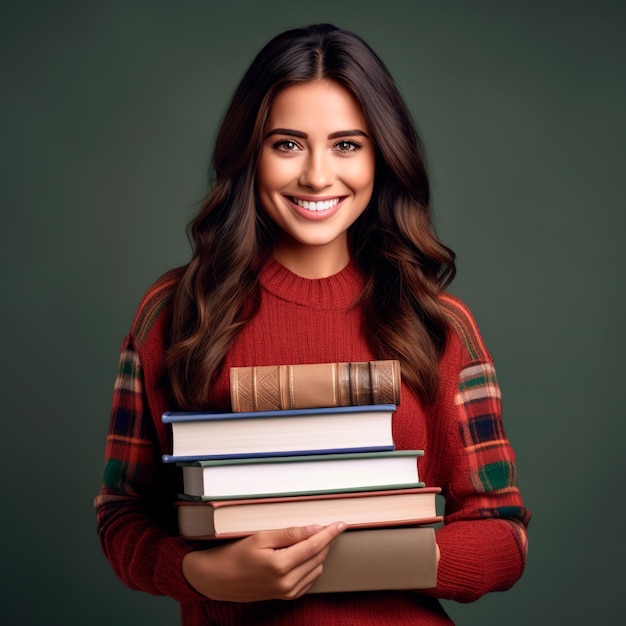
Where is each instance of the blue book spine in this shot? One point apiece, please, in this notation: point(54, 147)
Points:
point(171, 417)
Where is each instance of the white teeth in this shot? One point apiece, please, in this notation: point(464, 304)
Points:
point(322, 205)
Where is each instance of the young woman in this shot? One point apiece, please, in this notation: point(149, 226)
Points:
point(314, 244)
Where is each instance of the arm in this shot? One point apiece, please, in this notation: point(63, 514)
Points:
point(135, 516)
point(483, 540)
point(137, 523)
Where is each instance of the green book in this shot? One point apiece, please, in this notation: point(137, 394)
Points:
point(260, 477)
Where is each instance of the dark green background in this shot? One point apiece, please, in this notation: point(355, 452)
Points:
point(109, 113)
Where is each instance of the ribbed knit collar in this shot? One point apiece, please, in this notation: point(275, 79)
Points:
point(338, 291)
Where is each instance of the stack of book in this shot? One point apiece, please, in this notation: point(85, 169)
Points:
point(311, 444)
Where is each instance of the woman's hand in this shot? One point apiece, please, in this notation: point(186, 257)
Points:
point(276, 564)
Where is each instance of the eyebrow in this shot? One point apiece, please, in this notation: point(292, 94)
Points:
point(335, 135)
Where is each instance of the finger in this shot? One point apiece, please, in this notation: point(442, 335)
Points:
point(305, 583)
point(313, 545)
point(300, 577)
point(308, 571)
point(286, 537)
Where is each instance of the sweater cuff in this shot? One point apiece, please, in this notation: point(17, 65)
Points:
point(476, 557)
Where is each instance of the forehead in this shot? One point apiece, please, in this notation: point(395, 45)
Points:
point(323, 105)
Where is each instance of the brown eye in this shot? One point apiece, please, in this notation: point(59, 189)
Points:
point(285, 145)
point(347, 146)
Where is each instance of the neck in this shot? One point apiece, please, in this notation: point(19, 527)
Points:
point(313, 261)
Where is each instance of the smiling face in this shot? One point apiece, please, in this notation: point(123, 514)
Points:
point(315, 175)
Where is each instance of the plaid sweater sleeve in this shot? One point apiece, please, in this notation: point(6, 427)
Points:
point(483, 541)
point(135, 522)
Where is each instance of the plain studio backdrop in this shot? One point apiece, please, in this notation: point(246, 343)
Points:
point(109, 111)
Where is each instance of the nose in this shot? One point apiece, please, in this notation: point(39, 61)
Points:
point(317, 172)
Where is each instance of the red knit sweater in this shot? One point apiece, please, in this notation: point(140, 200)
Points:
point(483, 539)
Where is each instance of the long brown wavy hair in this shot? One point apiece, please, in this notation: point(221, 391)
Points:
point(393, 242)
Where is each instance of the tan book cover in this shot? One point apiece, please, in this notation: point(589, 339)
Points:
point(383, 558)
point(311, 385)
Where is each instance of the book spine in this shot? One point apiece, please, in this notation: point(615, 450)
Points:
point(302, 386)
point(190, 458)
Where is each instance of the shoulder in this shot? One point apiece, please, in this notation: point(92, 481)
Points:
point(463, 328)
point(154, 304)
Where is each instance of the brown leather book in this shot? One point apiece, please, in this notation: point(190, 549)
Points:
point(312, 385)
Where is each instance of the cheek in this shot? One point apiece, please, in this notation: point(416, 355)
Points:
point(268, 184)
point(263, 175)
point(360, 173)
point(274, 174)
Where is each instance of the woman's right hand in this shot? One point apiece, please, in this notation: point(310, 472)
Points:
point(276, 564)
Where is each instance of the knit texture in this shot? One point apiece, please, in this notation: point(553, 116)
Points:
point(467, 454)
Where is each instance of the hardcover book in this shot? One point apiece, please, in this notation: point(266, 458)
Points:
point(279, 433)
point(309, 385)
point(220, 519)
point(263, 477)
point(384, 558)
